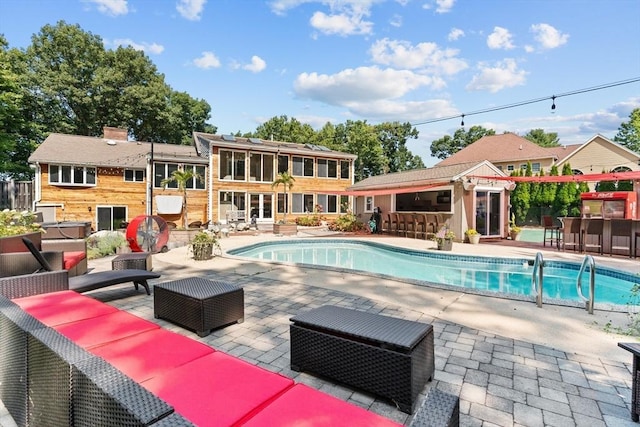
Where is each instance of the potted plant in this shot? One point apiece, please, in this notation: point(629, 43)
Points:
point(444, 239)
point(514, 230)
point(202, 245)
point(13, 226)
point(473, 236)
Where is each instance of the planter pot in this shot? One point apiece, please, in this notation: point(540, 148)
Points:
point(474, 239)
point(514, 235)
point(10, 244)
point(285, 229)
point(202, 251)
point(445, 244)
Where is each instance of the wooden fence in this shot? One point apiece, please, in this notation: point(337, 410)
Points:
point(16, 195)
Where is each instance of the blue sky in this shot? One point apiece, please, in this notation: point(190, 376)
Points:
point(376, 60)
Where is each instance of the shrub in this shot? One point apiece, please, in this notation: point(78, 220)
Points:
point(347, 222)
point(13, 223)
point(309, 221)
point(104, 243)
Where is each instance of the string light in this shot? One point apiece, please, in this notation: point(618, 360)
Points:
point(553, 104)
point(532, 101)
point(462, 122)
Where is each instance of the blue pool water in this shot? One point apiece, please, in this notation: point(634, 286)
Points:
point(485, 275)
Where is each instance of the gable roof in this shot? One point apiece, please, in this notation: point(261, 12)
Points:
point(204, 142)
point(434, 175)
point(564, 151)
point(65, 149)
point(497, 149)
point(591, 141)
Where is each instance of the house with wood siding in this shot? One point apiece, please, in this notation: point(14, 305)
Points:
point(105, 180)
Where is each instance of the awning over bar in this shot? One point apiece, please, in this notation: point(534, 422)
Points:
point(592, 177)
point(394, 190)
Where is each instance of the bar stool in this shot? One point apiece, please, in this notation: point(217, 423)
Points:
point(554, 232)
point(621, 229)
point(593, 227)
point(572, 233)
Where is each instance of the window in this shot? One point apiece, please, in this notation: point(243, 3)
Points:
point(523, 166)
point(368, 204)
point(510, 168)
point(232, 205)
point(111, 217)
point(302, 203)
point(165, 170)
point(72, 175)
point(283, 163)
point(344, 204)
point(328, 202)
point(134, 175)
point(535, 167)
point(261, 167)
point(282, 202)
point(327, 168)
point(302, 166)
point(232, 165)
point(344, 169)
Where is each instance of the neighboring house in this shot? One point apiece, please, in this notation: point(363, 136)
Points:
point(451, 192)
point(508, 152)
point(242, 171)
point(105, 180)
point(599, 154)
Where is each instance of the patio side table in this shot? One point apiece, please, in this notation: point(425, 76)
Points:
point(634, 348)
point(132, 261)
point(199, 304)
point(387, 356)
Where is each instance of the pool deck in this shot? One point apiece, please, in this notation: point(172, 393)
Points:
point(510, 362)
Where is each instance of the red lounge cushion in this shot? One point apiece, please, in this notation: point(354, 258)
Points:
point(304, 406)
point(57, 308)
point(71, 259)
point(103, 329)
point(218, 389)
point(143, 356)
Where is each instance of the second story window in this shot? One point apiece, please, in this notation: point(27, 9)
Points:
point(261, 167)
point(344, 169)
point(72, 175)
point(302, 166)
point(283, 163)
point(232, 165)
point(134, 175)
point(327, 168)
point(165, 170)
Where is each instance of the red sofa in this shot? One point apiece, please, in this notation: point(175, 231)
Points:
point(202, 385)
point(62, 254)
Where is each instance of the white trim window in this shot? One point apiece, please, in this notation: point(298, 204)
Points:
point(134, 175)
point(328, 202)
point(327, 168)
point(302, 166)
point(510, 168)
point(165, 170)
point(301, 203)
point(261, 167)
point(232, 165)
point(368, 203)
point(72, 175)
point(535, 167)
point(345, 166)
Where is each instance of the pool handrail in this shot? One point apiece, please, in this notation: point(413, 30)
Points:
point(589, 302)
point(537, 279)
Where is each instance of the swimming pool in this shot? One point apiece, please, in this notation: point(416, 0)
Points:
point(508, 277)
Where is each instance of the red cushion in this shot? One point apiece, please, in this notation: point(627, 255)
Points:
point(71, 259)
point(57, 308)
point(304, 406)
point(110, 327)
point(146, 355)
point(218, 389)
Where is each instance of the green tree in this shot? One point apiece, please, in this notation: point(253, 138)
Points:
point(182, 178)
point(393, 137)
point(284, 129)
point(542, 138)
point(447, 145)
point(361, 139)
point(548, 193)
point(286, 180)
point(629, 132)
point(568, 196)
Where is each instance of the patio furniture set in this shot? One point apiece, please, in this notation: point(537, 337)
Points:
point(411, 224)
point(69, 359)
point(602, 235)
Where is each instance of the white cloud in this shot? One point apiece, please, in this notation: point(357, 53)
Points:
point(455, 34)
point(548, 37)
point(257, 64)
point(360, 85)
point(396, 21)
point(111, 7)
point(412, 111)
point(500, 39)
point(426, 56)
point(503, 75)
point(152, 48)
point(341, 24)
point(191, 9)
point(207, 60)
point(528, 48)
point(444, 6)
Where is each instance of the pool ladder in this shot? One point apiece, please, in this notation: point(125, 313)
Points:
point(536, 278)
point(587, 262)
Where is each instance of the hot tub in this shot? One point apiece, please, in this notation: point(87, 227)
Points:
point(66, 230)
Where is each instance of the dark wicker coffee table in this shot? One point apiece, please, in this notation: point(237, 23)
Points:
point(634, 348)
point(132, 261)
point(199, 304)
point(387, 356)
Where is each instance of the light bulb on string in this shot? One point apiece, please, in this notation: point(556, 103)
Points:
point(462, 122)
point(553, 104)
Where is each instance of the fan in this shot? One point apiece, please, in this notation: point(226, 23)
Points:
point(148, 233)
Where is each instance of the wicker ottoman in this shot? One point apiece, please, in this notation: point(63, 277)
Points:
point(199, 304)
point(132, 261)
point(392, 358)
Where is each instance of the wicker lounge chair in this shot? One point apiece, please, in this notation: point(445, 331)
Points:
point(102, 279)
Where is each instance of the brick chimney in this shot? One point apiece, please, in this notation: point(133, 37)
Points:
point(115, 133)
